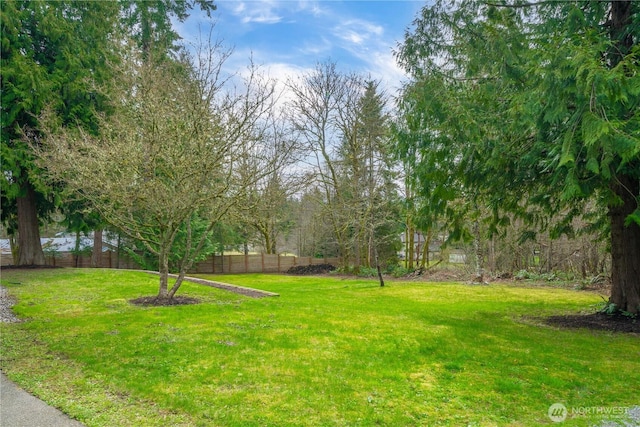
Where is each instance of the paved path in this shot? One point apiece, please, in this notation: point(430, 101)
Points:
point(20, 409)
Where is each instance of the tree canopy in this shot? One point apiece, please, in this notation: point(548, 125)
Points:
point(166, 163)
point(59, 54)
point(532, 108)
point(53, 53)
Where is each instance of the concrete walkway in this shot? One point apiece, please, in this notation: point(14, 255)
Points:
point(20, 409)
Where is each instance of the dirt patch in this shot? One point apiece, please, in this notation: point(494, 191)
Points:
point(304, 270)
point(437, 275)
point(162, 302)
point(597, 321)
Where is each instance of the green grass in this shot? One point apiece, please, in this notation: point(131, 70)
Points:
point(327, 352)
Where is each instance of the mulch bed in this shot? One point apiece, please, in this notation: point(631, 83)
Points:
point(161, 302)
point(597, 321)
point(304, 270)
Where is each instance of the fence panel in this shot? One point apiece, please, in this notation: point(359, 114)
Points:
point(217, 264)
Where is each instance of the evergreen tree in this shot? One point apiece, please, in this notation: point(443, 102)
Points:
point(531, 109)
point(58, 54)
point(52, 54)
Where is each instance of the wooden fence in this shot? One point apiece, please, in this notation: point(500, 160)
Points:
point(66, 259)
point(216, 264)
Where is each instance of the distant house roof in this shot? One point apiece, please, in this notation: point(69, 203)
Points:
point(419, 239)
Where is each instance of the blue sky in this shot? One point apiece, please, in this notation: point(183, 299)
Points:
point(289, 37)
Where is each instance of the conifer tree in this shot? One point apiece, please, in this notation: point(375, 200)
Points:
point(534, 110)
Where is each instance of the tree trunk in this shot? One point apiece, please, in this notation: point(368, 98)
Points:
point(76, 251)
point(625, 240)
point(14, 249)
point(96, 255)
point(118, 253)
point(163, 262)
point(479, 256)
point(410, 253)
point(357, 248)
point(380, 278)
point(424, 261)
point(178, 283)
point(625, 248)
point(492, 254)
point(418, 248)
point(29, 246)
point(268, 244)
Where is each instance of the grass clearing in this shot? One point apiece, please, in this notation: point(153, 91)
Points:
point(327, 352)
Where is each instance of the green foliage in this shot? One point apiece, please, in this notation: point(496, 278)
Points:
point(397, 270)
point(530, 110)
point(611, 309)
point(340, 352)
point(59, 55)
point(532, 115)
point(547, 277)
point(149, 22)
point(367, 272)
point(214, 242)
point(53, 53)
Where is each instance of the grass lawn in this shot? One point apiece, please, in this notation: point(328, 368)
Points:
point(327, 352)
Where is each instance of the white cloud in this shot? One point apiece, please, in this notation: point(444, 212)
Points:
point(357, 31)
point(312, 7)
point(238, 7)
point(383, 66)
point(262, 17)
point(317, 47)
point(367, 42)
point(320, 30)
point(261, 12)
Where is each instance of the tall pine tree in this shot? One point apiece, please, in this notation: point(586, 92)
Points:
point(52, 54)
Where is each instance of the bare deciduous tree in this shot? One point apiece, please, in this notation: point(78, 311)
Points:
point(340, 117)
point(169, 152)
point(266, 209)
point(318, 111)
